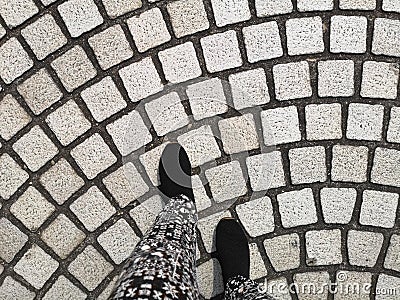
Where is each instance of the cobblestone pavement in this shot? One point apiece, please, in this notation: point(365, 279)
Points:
point(307, 88)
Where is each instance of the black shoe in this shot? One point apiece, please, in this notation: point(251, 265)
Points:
point(174, 171)
point(233, 249)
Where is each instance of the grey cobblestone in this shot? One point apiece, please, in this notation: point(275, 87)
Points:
point(391, 5)
point(200, 195)
point(64, 289)
point(210, 286)
point(12, 176)
point(150, 161)
point(392, 258)
point(207, 227)
point(314, 5)
point(238, 11)
point(379, 208)
point(363, 247)
point(364, 122)
point(116, 8)
point(15, 12)
point(12, 289)
point(13, 117)
point(393, 133)
point(386, 283)
point(12, 240)
point(348, 34)
point(386, 41)
point(349, 163)
point(146, 213)
point(273, 7)
point(384, 171)
point(283, 251)
point(319, 279)
point(257, 266)
point(344, 278)
point(357, 4)
point(336, 78)
point(338, 204)
point(307, 164)
point(323, 247)
point(323, 121)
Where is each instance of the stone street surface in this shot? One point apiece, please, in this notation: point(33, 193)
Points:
point(289, 110)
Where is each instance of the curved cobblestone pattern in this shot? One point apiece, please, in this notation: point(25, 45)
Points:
point(315, 80)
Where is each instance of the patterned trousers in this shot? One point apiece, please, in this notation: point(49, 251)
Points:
point(163, 264)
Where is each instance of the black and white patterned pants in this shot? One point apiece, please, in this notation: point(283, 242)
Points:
point(163, 264)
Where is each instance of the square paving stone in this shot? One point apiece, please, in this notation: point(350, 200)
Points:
point(385, 168)
point(90, 268)
point(106, 293)
point(307, 164)
point(39, 91)
point(257, 266)
point(238, 11)
point(200, 196)
point(273, 7)
point(280, 125)
point(249, 88)
point(93, 156)
point(92, 208)
point(12, 176)
point(323, 121)
point(349, 163)
point(80, 16)
point(336, 78)
point(64, 289)
point(257, 216)
point(363, 247)
point(319, 280)
point(297, 208)
point(61, 181)
point(36, 266)
point(387, 283)
point(345, 279)
point(239, 134)
point(14, 59)
point(364, 122)
point(304, 36)
point(15, 12)
point(207, 227)
point(357, 4)
point(103, 99)
point(265, 171)
point(149, 29)
point(386, 39)
point(283, 251)
point(32, 209)
point(292, 80)
point(210, 286)
point(379, 80)
point(74, 68)
point(187, 17)
point(314, 5)
point(167, 113)
point(323, 247)
point(262, 41)
point(62, 236)
point(150, 160)
point(379, 208)
point(180, 63)
point(13, 117)
point(35, 148)
point(12, 289)
point(12, 240)
point(221, 51)
point(44, 36)
point(226, 181)
point(68, 122)
point(348, 34)
point(278, 288)
point(116, 8)
point(393, 133)
point(110, 47)
point(141, 79)
point(126, 184)
point(392, 259)
point(207, 98)
point(337, 204)
point(145, 214)
point(391, 5)
point(118, 241)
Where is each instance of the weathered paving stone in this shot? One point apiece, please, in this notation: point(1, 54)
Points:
point(314, 5)
point(74, 68)
point(180, 63)
point(379, 208)
point(323, 247)
point(80, 16)
point(13, 117)
point(145, 214)
point(12, 289)
point(36, 266)
point(392, 259)
point(357, 4)
point(379, 80)
point(90, 268)
point(150, 160)
point(62, 236)
point(345, 279)
point(386, 40)
point(32, 208)
point(348, 34)
point(110, 47)
point(64, 289)
point(323, 121)
point(187, 17)
point(116, 8)
point(283, 251)
point(364, 122)
point(257, 266)
point(238, 11)
point(391, 5)
point(297, 208)
point(349, 163)
point(148, 29)
point(118, 241)
point(385, 167)
point(307, 164)
point(221, 51)
point(320, 281)
point(200, 196)
point(336, 78)
point(388, 287)
point(61, 181)
point(44, 36)
point(393, 133)
point(338, 204)
point(262, 41)
point(15, 12)
point(304, 36)
point(35, 148)
point(39, 91)
point(68, 122)
point(210, 286)
point(363, 247)
point(14, 60)
point(12, 240)
point(273, 7)
point(292, 80)
point(257, 216)
point(207, 227)
point(11, 176)
point(92, 208)
point(249, 88)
